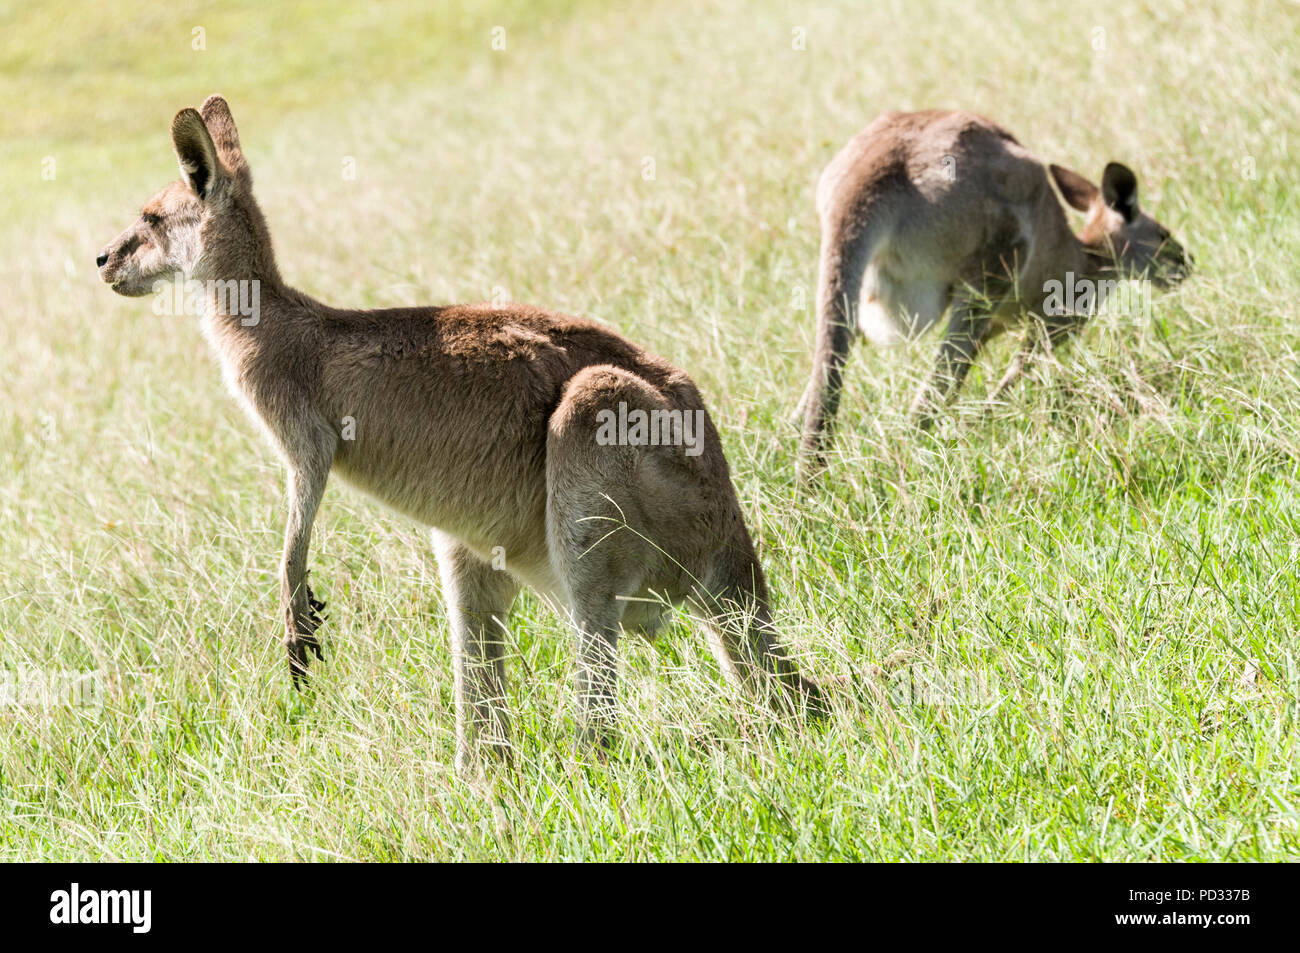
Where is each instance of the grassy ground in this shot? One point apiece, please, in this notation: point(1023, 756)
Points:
point(1067, 627)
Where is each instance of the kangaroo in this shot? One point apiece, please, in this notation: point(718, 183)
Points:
point(484, 423)
point(932, 212)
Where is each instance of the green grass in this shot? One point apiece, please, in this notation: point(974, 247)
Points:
point(1041, 620)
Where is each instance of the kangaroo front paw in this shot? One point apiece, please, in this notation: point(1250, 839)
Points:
point(300, 638)
point(300, 648)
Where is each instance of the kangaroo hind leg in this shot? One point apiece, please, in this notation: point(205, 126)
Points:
point(622, 521)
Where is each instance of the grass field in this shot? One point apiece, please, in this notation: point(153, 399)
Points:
point(1064, 629)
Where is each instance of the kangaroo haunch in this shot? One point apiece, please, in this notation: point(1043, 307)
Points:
point(482, 422)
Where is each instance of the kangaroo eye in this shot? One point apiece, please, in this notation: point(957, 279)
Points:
point(153, 221)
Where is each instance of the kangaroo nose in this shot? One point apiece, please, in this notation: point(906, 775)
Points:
point(102, 259)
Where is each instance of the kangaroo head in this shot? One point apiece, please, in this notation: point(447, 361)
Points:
point(180, 227)
point(1118, 230)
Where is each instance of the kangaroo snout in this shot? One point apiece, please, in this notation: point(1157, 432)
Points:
point(1180, 263)
point(1173, 264)
point(102, 260)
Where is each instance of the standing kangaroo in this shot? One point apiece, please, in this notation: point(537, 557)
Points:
point(483, 422)
point(929, 212)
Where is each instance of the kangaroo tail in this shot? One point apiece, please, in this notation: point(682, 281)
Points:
point(844, 261)
point(739, 617)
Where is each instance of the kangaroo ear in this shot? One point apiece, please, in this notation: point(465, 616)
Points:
point(195, 152)
point(221, 126)
point(1119, 186)
point(1075, 189)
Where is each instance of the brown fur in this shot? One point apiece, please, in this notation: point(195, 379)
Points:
point(933, 212)
point(479, 421)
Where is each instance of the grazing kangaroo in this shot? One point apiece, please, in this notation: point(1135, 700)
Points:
point(485, 423)
point(929, 212)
